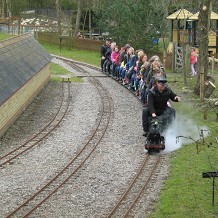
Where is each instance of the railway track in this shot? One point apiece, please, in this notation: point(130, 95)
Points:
point(138, 185)
point(42, 133)
point(129, 196)
point(39, 197)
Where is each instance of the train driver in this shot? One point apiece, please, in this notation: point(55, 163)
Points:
point(158, 98)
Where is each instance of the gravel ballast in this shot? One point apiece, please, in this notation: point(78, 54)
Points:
point(98, 184)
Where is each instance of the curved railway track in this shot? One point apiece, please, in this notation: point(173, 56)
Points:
point(39, 197)
point(139, 183)
point(44, 131)
point(136, 187)
point(122, 207)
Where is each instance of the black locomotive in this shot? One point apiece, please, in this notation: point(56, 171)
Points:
point(155, 140)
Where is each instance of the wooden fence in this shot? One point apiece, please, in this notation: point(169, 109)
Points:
point(180, 55)
point(70, 42)
point(170, 60)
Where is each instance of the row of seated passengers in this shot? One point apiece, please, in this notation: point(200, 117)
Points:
point(132, 68)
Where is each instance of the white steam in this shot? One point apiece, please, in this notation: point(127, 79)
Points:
point(182, 126)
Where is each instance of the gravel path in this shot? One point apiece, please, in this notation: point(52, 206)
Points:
point(96, 188)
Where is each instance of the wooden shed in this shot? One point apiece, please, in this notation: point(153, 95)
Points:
point(24, 71)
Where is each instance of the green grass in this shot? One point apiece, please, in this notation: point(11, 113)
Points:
point(58, 73)
point(185, 192)
point(5, 36)
point(89, 57)
point(78, 55)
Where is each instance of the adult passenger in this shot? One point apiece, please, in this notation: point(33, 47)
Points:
point(158, 96)
point(104, 49)
point(108, 63)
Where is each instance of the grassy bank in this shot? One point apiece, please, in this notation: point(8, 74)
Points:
point(5, 36)
point(58, 73)
point(185, 193)
point(89, 57)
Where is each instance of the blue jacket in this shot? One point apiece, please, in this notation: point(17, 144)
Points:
point(132, 62)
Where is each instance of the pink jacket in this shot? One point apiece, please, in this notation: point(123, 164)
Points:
point(114, 56)
point(193, 59)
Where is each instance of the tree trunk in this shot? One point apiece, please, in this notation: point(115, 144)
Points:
point(85, 21)
point(90, 22)
point(209, 86)
point(58, 11)
point(78, 16)
point(204, 24)
point(8, 5)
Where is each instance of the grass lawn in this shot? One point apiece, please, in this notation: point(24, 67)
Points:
point(5, 36)
point(58, 72)
point(185, 192)
point(89, 57)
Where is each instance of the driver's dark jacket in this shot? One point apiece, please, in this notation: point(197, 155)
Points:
point(157, 101)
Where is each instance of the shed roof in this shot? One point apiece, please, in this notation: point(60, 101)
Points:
point(21, 58)
point(213, 16)
point(181, 14)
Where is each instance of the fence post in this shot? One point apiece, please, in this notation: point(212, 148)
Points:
point(187, 60)
point(212, 65)
point(164, 58)
point(173, 57)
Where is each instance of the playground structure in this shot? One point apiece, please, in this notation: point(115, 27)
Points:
point(184, 29)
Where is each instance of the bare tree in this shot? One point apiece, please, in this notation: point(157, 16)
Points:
point(58, 10)
point(90, 20)
point(78, 16)
point(8, 5)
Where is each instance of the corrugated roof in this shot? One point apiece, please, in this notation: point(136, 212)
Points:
point(181, 14)
point(213, 16)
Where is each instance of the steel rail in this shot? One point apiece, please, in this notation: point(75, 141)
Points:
point(41, 134)
point(48, 189)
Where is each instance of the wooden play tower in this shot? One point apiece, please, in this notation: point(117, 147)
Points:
point(184, 28)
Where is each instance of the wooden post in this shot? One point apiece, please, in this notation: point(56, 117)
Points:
point(173, 58)
point(164, 58)
point(202, 83)
point(187, 60)
point(212, 65)
point(216, 37)
point(183, 64)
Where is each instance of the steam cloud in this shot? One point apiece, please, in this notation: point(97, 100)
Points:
point(182, 126)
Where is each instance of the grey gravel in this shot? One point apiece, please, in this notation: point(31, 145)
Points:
point(97, 186)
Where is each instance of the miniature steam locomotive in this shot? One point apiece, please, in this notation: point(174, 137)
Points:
point(155, 140)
